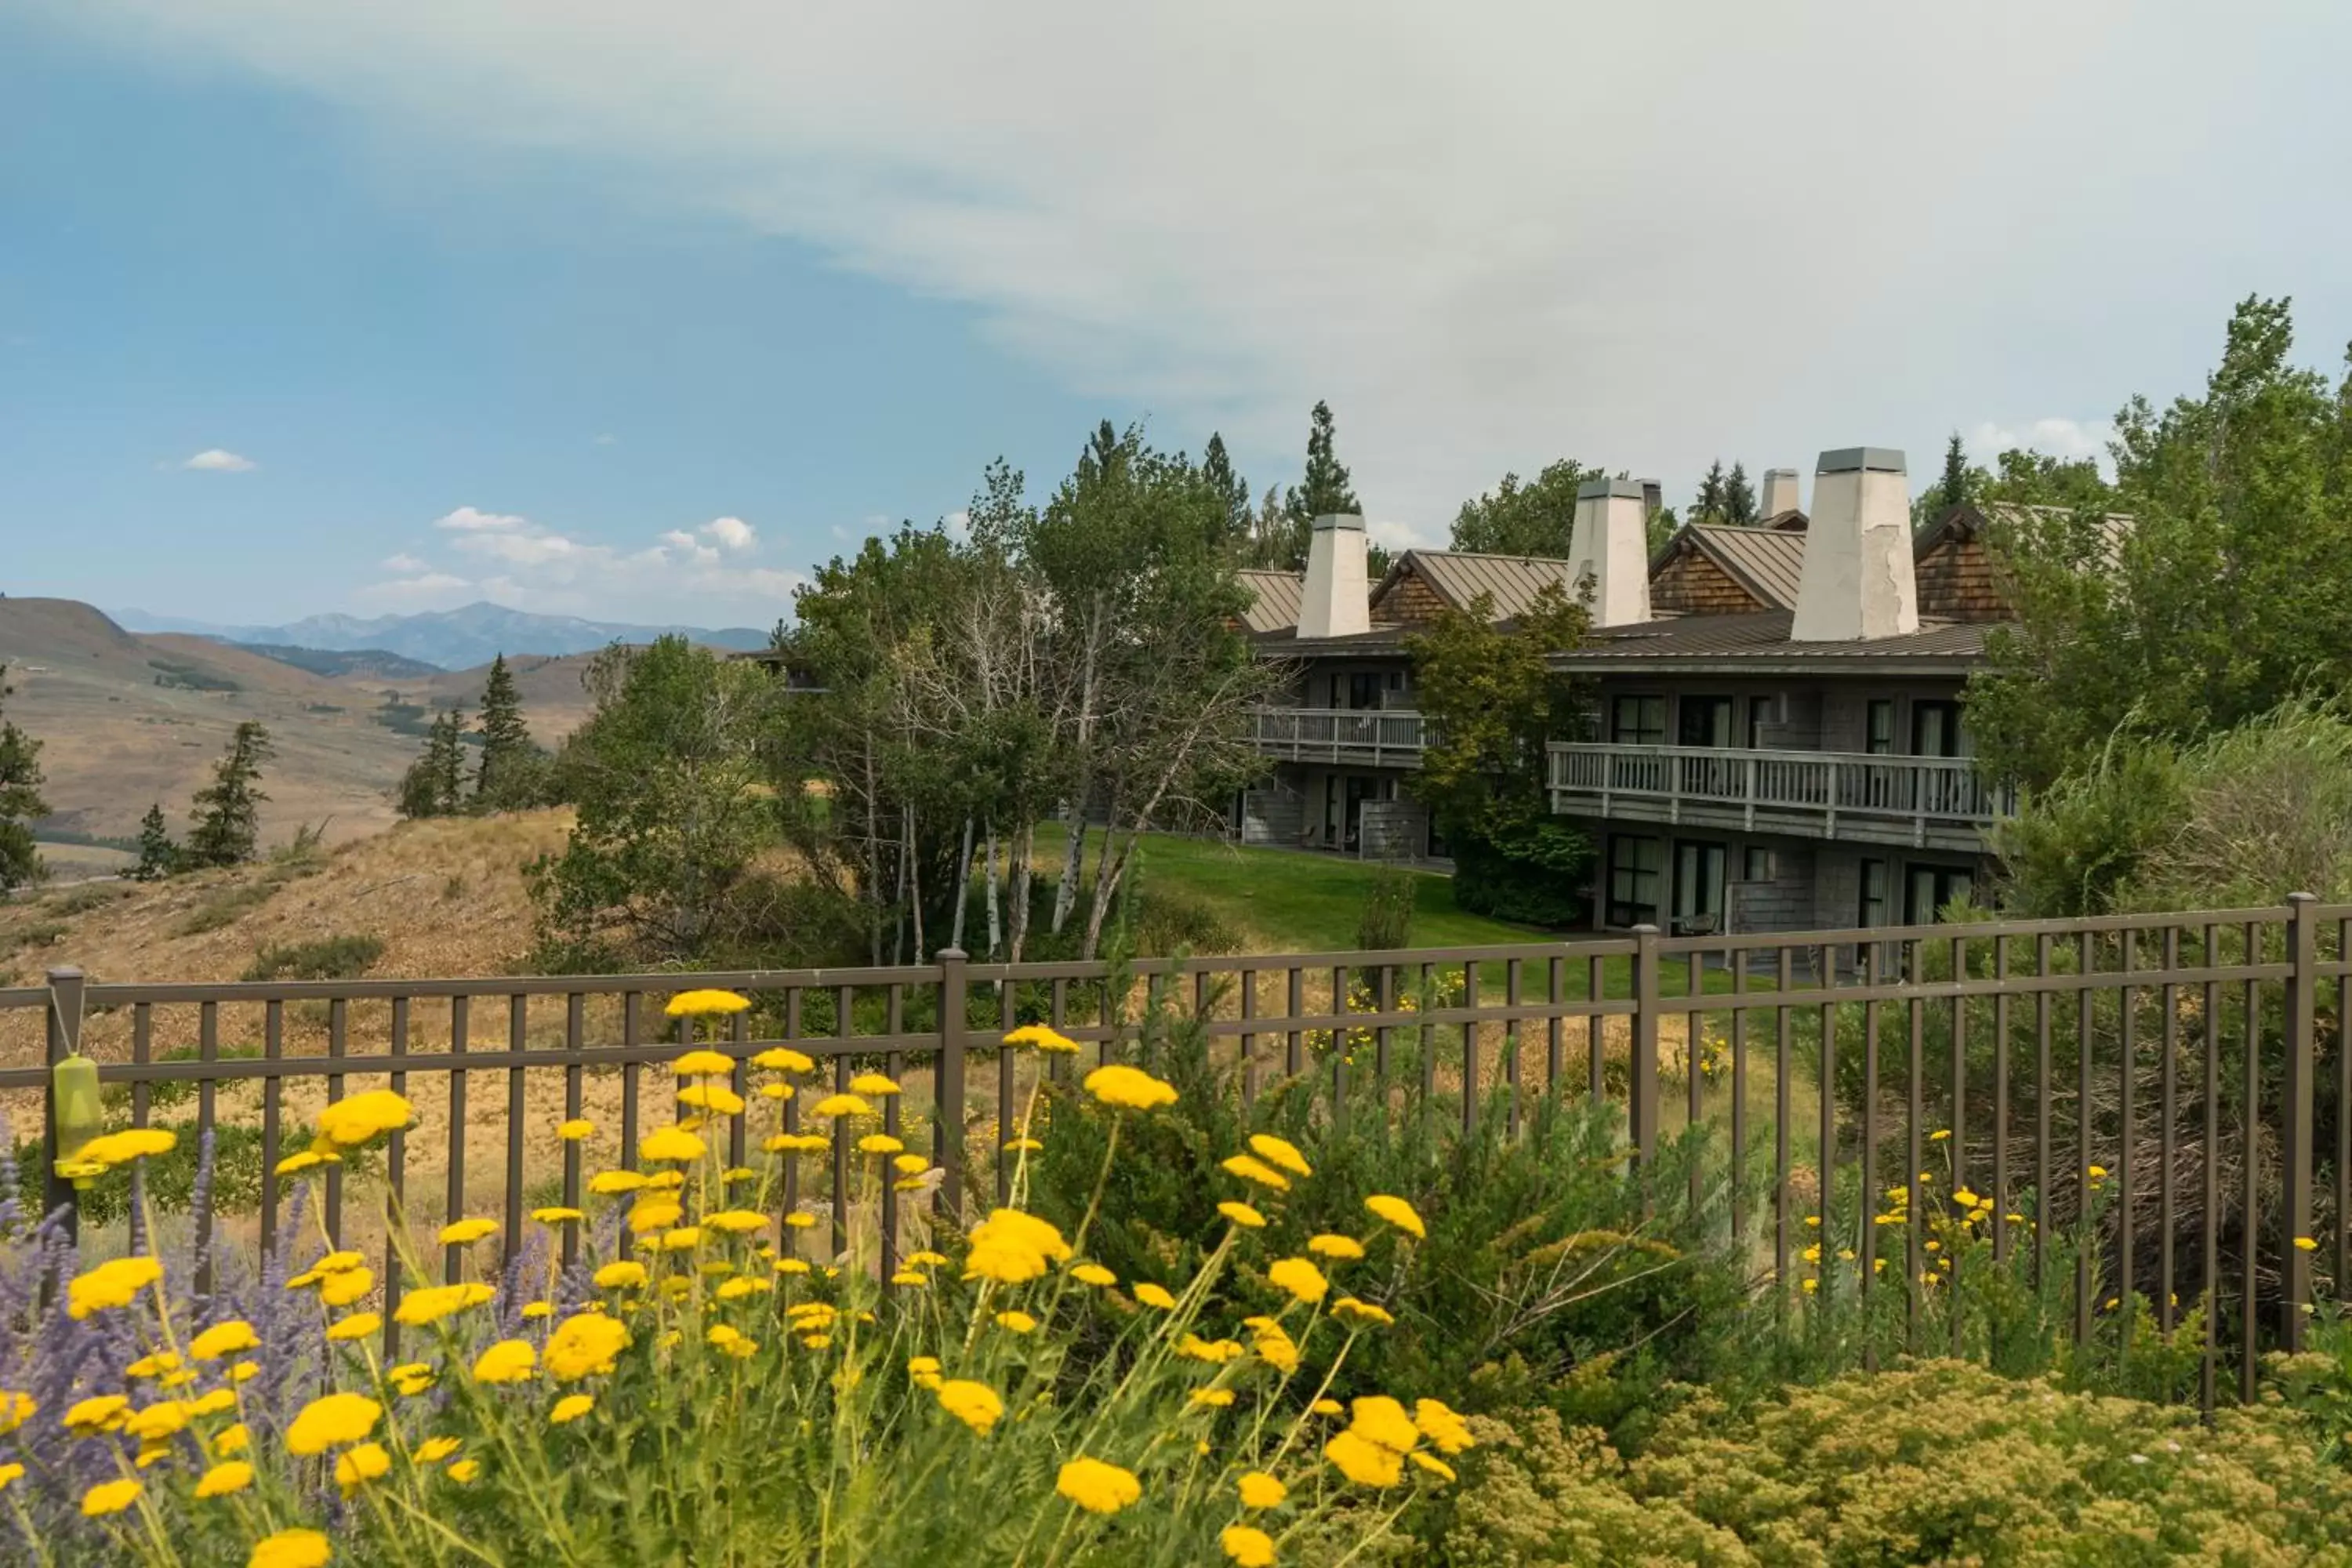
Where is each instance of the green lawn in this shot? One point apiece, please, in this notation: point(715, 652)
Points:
point(1289, 900)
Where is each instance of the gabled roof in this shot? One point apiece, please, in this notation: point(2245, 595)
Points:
point(1968, 519)
point(1274, 598)
point(1459, 576)
point(1757, 643)
point(1766, 561)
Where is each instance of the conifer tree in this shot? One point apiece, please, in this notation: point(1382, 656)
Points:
point(434, 782)
point(1707, 507)
point(158, 855)
point(1230, 488)
point(1323, 489)
point(507, 774)
point(1738, 498)
point(1954, 490)
point(20, 801)
point(226, 819)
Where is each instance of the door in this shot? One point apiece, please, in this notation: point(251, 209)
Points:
point(1636, 865)
point(1359, 790)
point(1705, 721)
point(1930, 889)
point(1698, 886)
point(1935, 729)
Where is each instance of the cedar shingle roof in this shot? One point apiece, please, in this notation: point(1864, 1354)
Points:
point(1274, 599)
point(1459, 576)
point(1764, 560)
point(1758, 642)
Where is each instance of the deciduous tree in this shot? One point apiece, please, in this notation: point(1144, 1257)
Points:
point(1531, 517)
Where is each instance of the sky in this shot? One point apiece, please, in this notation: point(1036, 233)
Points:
point(598, 307)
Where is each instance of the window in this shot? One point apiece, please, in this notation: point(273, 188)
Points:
point(1638, 721)
point(1364, 690)
point(1874, 893)
point(1758, 864)
point(1935, 729)
point(1759, 713)
point(1698, 887)
point(1636, 868)
point(1705, 721)
point(1878, 736)
point(1930, 889)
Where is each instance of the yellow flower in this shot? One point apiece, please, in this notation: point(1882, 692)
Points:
point(464, 1471)
point(672, 1145)
point(154, 1366)
point(1328, 1408)
point(331, 1421)
point(926, 1259)
point(2096, 1172)
point(796, 1143)
point(1276, 1348)
point(654, 1214)
point(466, 1232)
point(1130, 1089)
point(556, 1213)
point(1242, 1215)
point(1259, 1489)
point(683, 1239)
point(1382, 1420)
point(880, 1144)
point(1812, 1285)
point(1281, 1154)
point(1437, 1467)
point(1363, 1461)
point(569, 1408)
point(1093, 1274)
point(1019, 1322)
point(584, 1344)
point(1440, 1424)
point(1250, 1168)
point(1398, 1213)
point(1964, 1198)
point(1360, 1312)
point(354, 1468)
point(113, 1149)
point(1010, 1247)
point(717, 1099)
point(100, 1412)
point(302, 1159)
point(1023, 1146)
point(1042, 1038)
point(109, 1498)
point(431, 1303)
point(223, 1339)
point(607, 1183)
point(154, 1423)
point(291, 1549)
point(834, 1106)
point(358, 1326)
point(233, 1439)
point(775, 1091)
point(1096, 1487)
point(736, 1289)
point(347, 1123)
point(705, 1004)
point(1339, 1246)
point(349, 1286)
point(433, 1450)
point(1247, 1545)
point(532, 1311)
point(975, 1404)
point(221, 1479)
point(874, 1083)
point(2305, 1244)
point(703, 1064)
point(1152, 1295)
point(1300, 1278)
point(1215, 1399)
point(1940, 1134)
point(109, 1285)
point(783, 1058)
point(574, 1130)
point(1216, 1352)
point(15, 1409)
point(508, 1361)
point(799, 1219)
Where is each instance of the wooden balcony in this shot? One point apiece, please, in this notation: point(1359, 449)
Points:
point(1927, 803)
point(1361, 737)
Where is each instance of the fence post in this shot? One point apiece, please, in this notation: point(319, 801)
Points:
point(58, 1191)
point(1643, 1111)
point(947, 1128)
point(2294, 1156)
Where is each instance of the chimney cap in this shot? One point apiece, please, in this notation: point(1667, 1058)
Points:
point(1595, 490)
point(1792, 473)
point(1858, 460)
point(1338, 520)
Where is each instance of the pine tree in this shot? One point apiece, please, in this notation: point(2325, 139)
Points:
point(1738, 498)
point(158, 855)
point(504, 778)
point(1323, 490)
point(1954, 490)
point(227, 820)
point(20, 801)
point(425, 789)
point(1709, 505)
point(1229, 488)
point(449, 762)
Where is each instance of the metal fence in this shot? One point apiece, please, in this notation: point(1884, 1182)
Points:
point(2181, 1080)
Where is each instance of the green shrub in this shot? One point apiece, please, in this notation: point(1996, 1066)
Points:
point(80, 901)
point(225, 906)
point(171, 1178)
point(1386, 924)
point(328, 958)
point(1940, 1463)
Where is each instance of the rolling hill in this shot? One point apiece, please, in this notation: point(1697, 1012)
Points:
point(447, 639)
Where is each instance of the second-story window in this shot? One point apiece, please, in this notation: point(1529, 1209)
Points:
point(1637, 721)
point(1935, 729)
point(1878, 733)
point(1364, 690)
point(1705, 721)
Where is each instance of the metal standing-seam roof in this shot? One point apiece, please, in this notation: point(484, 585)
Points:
point(1767, 561)
point(1758, 640)
point(1274, 598)
point(1459, 576)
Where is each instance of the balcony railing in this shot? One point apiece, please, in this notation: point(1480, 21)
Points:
point(1380, 737)
point(1939, 801)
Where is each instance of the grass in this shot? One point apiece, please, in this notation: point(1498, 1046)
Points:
point(1289, 900)
point(225, 908)
point(328, 958)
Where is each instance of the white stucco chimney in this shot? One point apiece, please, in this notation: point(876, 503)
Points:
point(1337, 598)
point(1856, 580)
point(1610, 540)
point(1780, 492)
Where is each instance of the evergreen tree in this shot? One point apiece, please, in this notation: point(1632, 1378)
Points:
point(227, 820)
point(1954, 490)
point(507, 776)
point(434, 782)
point(1277, 541)
point(1231, 489)
point(20, 801)
point(1738, 498)
point(1709, 505)
point(1323, 489)
point(158, 855)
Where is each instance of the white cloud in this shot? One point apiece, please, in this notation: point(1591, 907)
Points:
point(608, 441)
point(1491, 234)
point(215, 461)
point(420, 590)
point(469, 520)
point(2055, 436)
point(404, 564)
point(731, 532)
point(698, 576)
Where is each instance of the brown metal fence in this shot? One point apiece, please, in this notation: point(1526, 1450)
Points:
point(2181, 1079)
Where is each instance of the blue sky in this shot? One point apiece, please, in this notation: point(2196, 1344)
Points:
point(584, 306)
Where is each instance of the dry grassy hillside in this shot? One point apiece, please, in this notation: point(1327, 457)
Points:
point(126, 721)
point(554, 700)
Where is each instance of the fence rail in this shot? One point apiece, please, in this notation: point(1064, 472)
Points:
point(1380, 737)
point(2181, 1080)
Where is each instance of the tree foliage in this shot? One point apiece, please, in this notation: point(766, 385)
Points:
point(20, 800)
point(226, 823)
point(158, 855)
point(1217, 472)
point(1738, 498)
point(1493, 699)
point(435, 783)
point(2222, 597)
point(511, 773)
point(1531, 517)
point(1324, 490)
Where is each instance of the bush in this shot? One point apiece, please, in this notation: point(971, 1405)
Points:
point(1386, 924)
point(328, 958)
point(1940, 1463)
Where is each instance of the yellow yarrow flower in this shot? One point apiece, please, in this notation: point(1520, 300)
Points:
point(1443, 1427)
point(1246, 1546)
point(703, 1064)
point(347, 1123)
point(1152, 1295)
point(1011, 1247)
point(433, 1450)
point(874, 1083)
point(1098, 1487)
point(1250, 1168)
point(354, 1468)
point(508, 1361)
point(574, 1130)
point(570, 1408)
point(1395, 1211)
point(672, 1145)
point(1281, 1154)
point(834, 1106)
point(291, 1549)
point(1300, 1278)
point(1360, 1312)
point(1260, 1491)
point(1129, 1087)
point(1042, 1038)
point(1242, 1215)
point(223, 1339)
point(358, 1326)
point(715, 1098)
point(584, 1345)
point(109, 1498)
point(466, 1232)
point(1093, 1274)
point(431, 1303)
point(225, 1480)
point(1363, 1461)
point(331, 1421)
point(1344, 1247)
point(783, 1058)
point(111, 1149)
point(975, 1404)
point(110, 1285)
point(706, 1003)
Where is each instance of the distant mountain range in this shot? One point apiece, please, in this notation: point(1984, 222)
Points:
point(445, 639)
